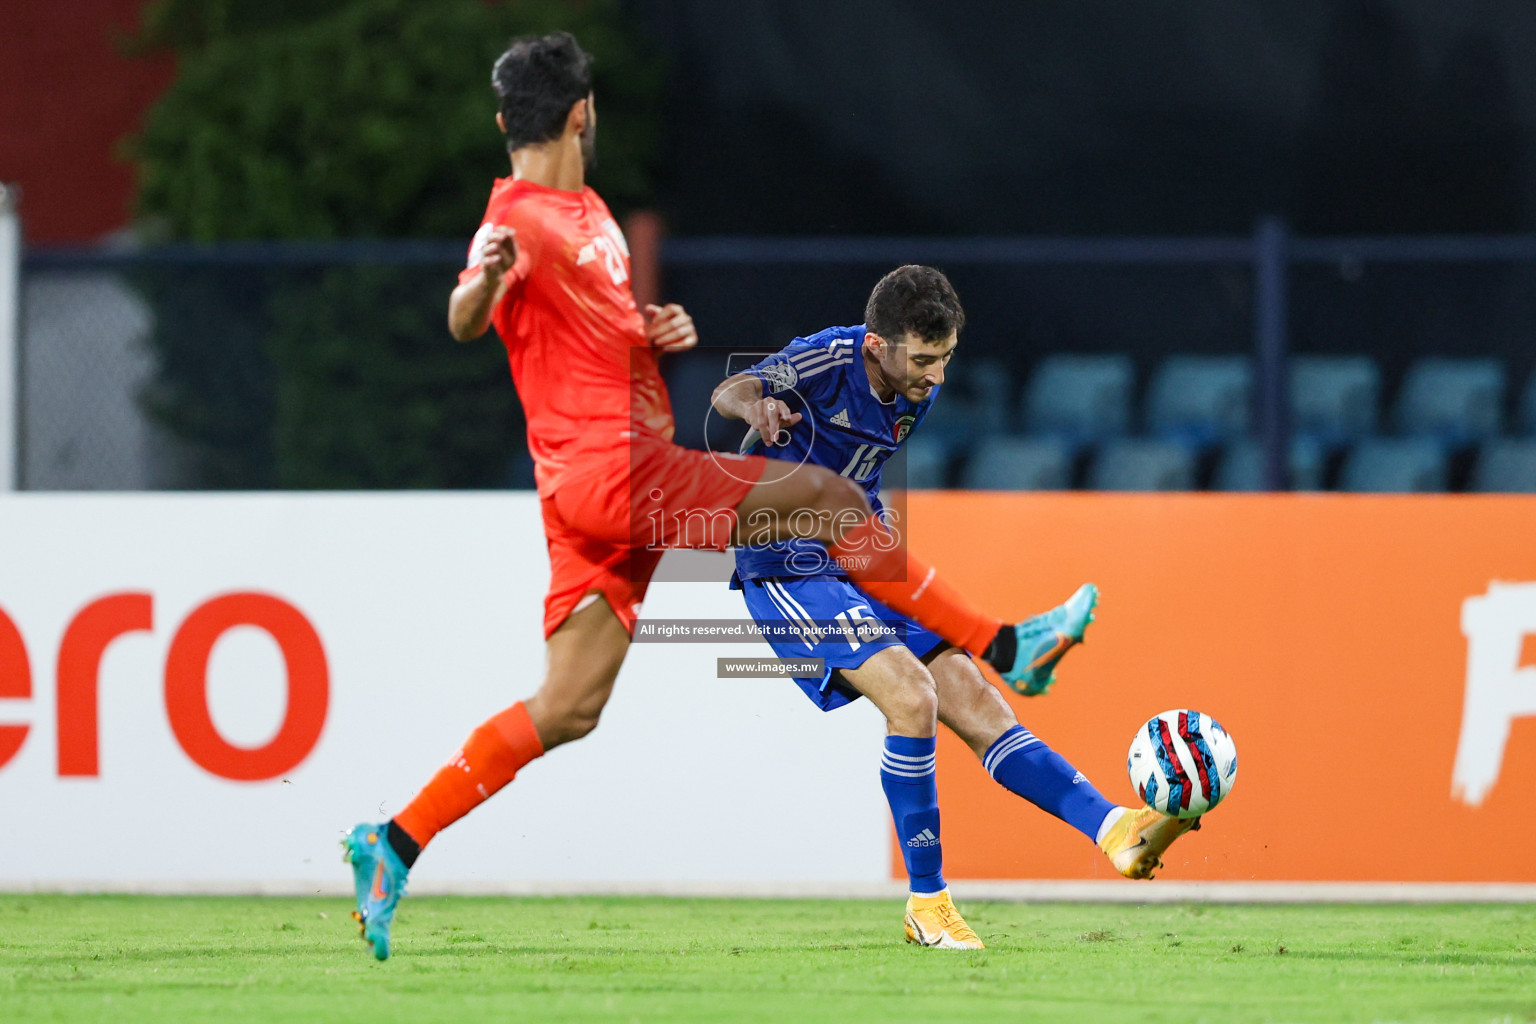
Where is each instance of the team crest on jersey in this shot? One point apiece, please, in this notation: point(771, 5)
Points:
point(903, 427)
point(780, 376)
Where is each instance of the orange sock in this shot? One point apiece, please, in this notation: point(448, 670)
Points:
point(891, 575)
point(491, 758)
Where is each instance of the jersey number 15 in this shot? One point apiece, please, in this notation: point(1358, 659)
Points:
point(864, 463)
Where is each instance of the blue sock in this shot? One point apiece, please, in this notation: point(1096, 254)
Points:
point(1022, 763)
point(907, 774)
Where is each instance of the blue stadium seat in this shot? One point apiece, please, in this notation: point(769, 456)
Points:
point(1506, 465)
point(1334, 399)
point(1395, 465)
point(922, 464)
point(1018, 464)
point(1457, 401)
point(1200, 401)
point(1137, 464)
point(1242, 466)
point(1528, 407)
point(991, 385)
point(1080, 399)
point(972, 404)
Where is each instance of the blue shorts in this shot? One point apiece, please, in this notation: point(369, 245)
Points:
point(828, 617)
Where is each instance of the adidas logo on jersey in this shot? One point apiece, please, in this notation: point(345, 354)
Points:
point(924, 838)
point(840, 418)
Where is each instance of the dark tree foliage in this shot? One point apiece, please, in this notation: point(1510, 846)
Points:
point(365, 118)
point(213, 383)
point(350, 120)
point(411, 413)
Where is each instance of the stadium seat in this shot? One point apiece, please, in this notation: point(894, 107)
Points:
point(1528, 407)
point(1080, 399)
point(1456, 401)
point(1200, 401)
point(972, 404)
point(1334, 399)
point(1136, 464)
point(922, 464)
point(1018, 464)
point(1242, 466)
point(991, 384)
point(1506, 465)
point(1395, 465)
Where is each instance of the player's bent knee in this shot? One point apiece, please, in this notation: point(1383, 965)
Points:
point(568, 705)
point(925, 704)
point(835, 494)
point(581, 722)
point(969, 705)
point(566, 722)
point(914, 708)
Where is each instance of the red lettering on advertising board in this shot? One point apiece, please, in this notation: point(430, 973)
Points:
point(15, 681)
point(186, 686)
point(85, 642)
point(96, 626)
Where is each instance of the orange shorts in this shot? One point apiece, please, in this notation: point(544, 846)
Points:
point(612, 512)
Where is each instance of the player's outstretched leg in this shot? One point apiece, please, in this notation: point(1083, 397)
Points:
point(1027, 654)
point(1134, 840)
point(901, 687)
point(383, 854)
point(584, 654)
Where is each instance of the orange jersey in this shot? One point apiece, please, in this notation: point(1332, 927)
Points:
point(587, 376)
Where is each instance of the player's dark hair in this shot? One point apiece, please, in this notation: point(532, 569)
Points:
point(914, 299)
point(537, 81)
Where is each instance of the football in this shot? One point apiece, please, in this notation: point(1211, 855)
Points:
point(1182, 763)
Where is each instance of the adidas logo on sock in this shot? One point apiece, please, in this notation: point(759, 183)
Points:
point(924, 838)
point(840, 418)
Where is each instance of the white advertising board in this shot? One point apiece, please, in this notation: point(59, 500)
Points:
point(162, 635)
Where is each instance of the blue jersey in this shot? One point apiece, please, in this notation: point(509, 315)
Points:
point(845, 428)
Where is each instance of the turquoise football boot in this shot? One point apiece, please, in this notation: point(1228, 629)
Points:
point(1044, 639)
point(379, 878)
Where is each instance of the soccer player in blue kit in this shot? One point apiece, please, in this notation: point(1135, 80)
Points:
point(846, 399)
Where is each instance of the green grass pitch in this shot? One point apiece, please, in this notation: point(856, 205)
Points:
point(125, 959)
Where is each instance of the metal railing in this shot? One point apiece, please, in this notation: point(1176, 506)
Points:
point(771, 289)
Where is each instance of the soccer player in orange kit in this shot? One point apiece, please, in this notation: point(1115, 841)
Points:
point(549, 269)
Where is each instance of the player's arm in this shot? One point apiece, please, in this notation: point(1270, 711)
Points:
point(741, 398)
point(472, 302)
